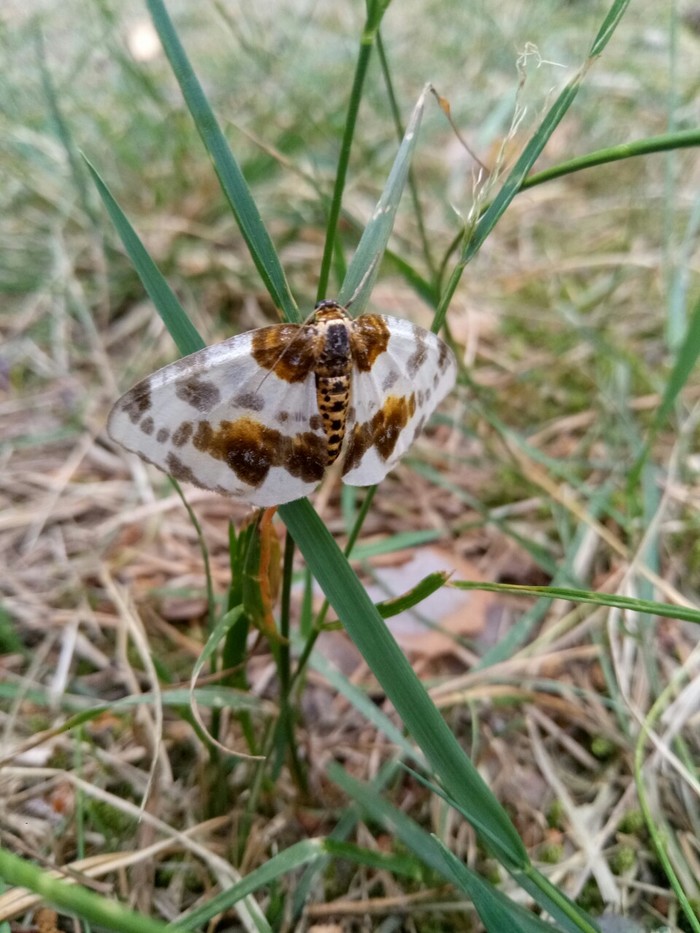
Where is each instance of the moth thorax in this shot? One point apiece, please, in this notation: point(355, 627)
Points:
point(333, 372)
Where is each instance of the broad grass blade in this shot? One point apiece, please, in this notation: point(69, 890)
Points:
point(391, 668)
point(364, 266)
point(230, 175)
point(490, 902)
point(497, 912)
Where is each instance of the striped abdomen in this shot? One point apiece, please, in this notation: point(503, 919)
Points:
point(333, 374)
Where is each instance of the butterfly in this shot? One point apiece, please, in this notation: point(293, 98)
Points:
point(262, 415)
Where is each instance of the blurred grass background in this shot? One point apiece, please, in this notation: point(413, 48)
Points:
point(569, 318)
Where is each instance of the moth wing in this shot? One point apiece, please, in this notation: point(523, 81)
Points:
point(392, 400)
point(225, 421)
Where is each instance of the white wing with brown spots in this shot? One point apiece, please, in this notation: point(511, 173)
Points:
point(393, 399)
point(220, 420)
point(262, 415)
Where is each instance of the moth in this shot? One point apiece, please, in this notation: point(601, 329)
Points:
point(262, 415)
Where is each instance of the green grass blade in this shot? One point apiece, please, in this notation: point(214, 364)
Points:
point(630, 603)
point(375, 12)
point(544, 893)
point(551, 899)
point(230, 175)
point(297, 855)
point(422, 590)
point(364, 266)
point(76, 899)
point(608, 26)
point(427, 848)
point(291, 859)
point(394, 862)
point(345, 826)
point(686, 360)
point(514, 181)
point(174, 316)
point(365, 705)
point(412, 183)
point(400, 825)
point(393, 671)
point(685, 139)
point(497, 912)
point(524, 163)
point(62, 127)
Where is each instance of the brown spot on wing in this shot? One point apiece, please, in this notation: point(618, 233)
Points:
point(423, 397)
point(445, 358)
point(178, 470)
point(369, 337)
point(250, 449)
point(253, 401)
point(381, 431)
point(390, 421)
point(182, 433)
point(419, 355)
point(137, 402)
point(307, 457)
point(199, 393)
point(288, 350)
point(389, 380)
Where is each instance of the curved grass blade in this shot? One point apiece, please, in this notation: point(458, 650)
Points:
point(217, 635)
point(684, 139)
point(214, 698)
point(364, 266)
point(230, 175)
point(414, 597)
